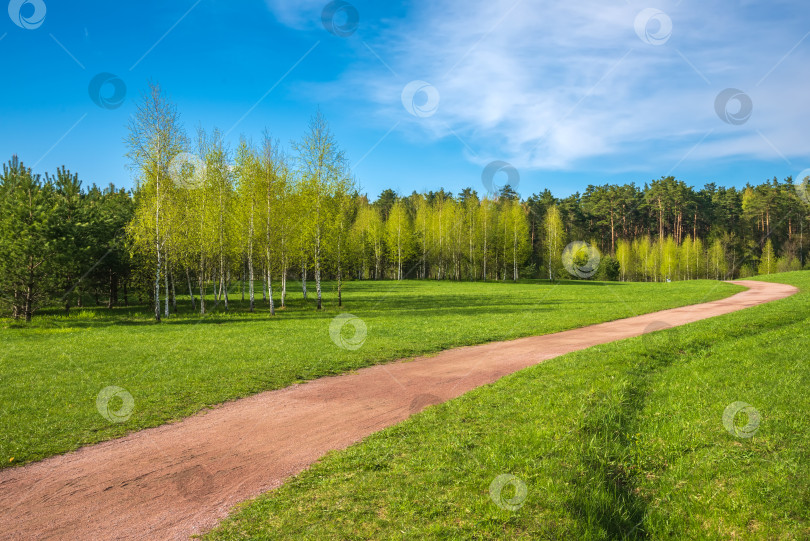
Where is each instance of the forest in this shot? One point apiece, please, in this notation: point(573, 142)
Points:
point(203, 219)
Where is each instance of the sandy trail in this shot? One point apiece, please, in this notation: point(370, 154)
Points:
point(180, 479)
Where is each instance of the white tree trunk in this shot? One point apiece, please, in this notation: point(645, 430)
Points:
point(318, 269)
point(227, 279)
point(190, 291)
point(284, 283)
point(304, 278)
point(166, 282)
point(157, 250)
point(270, 293)
point(202, 285)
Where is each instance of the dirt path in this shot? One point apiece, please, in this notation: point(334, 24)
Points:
point(177, 480)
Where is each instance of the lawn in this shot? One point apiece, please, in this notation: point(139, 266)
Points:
point(99, 374)
point(626, 440)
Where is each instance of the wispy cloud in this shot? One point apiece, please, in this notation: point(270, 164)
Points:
point(301, 14)
point(554, 85)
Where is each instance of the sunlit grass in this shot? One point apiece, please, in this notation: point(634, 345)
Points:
point(624, 440)
point(52, 371)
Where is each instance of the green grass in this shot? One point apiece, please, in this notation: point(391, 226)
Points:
point(52, 371)
point(621, 441)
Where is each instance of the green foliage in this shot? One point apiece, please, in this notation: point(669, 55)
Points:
point(206, 218)
point(768, 262)
point(747, 271)
point(788, 264)
point(555, 242)
point(58, 240)
point(399, 237)
point(29, 238)
point(610, 269)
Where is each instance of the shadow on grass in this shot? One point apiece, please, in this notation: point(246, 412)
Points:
point(425, 308)
point(607, 497)
point(369, 300)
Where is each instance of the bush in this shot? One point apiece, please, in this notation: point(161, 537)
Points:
point(747, 271)
point(788, 264)
point(609, 269)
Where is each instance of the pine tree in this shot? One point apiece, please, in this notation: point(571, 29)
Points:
point(27, 247)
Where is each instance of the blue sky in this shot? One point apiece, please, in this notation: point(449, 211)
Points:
point(570, 93)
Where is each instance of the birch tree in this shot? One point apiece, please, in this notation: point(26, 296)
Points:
point(222, 194)
point(323, 174)
point(717, 259)
point(376, 236)
point(624, 255)
point(155, 138)
point(361, 239)
point(767, 263)
point(248, 171)
point(277, 209)
point(554, 241)
point(516, 237)
point(399, 236)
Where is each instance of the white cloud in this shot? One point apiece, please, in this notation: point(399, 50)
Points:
point(300, 14)
point(553, 85)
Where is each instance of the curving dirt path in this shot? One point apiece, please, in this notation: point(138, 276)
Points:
point(180, 479)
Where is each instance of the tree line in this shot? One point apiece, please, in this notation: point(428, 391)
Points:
point(61, 243)
point(203, 218)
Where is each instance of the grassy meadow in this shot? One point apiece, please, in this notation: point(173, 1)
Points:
point(53, 370)
point(621, 441)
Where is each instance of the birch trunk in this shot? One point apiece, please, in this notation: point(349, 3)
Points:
point(270, 293)
point(157, 250)
point(250, 265)
point(284, 283)
point(318, 268)
point(174, 293)
point(191, 291)
point(339, 275)
point(166, 285)
point(226, 279)
point(202, 286)
point(304, 279)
